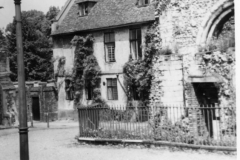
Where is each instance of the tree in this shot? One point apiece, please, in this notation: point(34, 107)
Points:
point(2, 43)
point(37, 46)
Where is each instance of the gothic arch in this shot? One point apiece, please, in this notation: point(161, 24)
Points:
point(215, 18)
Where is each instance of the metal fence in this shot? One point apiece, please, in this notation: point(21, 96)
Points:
point(206, 125)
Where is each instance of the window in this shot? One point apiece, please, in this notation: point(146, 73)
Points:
point(109, 41)
point(143, 2)
point(112, 91)
point(135, 43)
point(84, 8)
point(89, 91)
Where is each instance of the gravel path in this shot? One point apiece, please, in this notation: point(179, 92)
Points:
point(59, 144)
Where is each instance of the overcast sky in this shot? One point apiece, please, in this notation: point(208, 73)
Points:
point(7, 13)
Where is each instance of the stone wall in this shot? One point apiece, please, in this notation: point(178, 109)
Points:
point(168, 85)
point(185, 24)
point(47, 101)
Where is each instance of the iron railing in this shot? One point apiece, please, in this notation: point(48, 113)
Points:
point(205, 125)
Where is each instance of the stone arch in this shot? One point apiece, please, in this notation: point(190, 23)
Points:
point(215, 18)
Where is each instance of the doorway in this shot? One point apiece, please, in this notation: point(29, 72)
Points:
point(207, 97)
point(36, 108)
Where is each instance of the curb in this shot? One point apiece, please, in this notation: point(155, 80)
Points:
point(169, 144)
point(3, 128)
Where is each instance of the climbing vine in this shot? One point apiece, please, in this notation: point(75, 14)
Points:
point(86, 69)
point(138, 73)
point(161, 5)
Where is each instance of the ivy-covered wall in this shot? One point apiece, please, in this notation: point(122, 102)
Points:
point(181, 23)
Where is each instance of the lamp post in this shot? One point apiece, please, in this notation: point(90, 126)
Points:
point(23, 127)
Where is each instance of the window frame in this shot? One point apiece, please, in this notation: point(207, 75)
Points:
point(138, 43)
point(112, 87)
point(84, 8)
point(143, 3)
point(107, 43)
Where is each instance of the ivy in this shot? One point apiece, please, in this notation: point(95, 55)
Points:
point(138, 73)
point(161, 5)
point(219, 57)
point(86, 69)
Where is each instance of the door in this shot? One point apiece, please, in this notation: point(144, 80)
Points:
point(36, 108)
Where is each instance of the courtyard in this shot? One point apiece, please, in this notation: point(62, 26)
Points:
point(59, 143)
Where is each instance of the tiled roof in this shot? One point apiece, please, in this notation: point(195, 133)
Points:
point(106, 13)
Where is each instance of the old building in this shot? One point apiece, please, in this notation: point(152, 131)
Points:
point(7, 108)
point(186, 27)
point(185, 31)
point(118, 28)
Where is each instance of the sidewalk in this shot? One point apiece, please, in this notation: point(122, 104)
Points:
point(61, 124)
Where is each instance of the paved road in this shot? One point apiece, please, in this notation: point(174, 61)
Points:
point(58, 143)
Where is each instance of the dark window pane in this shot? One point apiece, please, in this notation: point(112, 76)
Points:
point(112, 39)
point(139, 34)
point(139, 50)
point(109, 82)
point(115, 93)
point(89, 91)
point(106, 37)
point(133, 35)
point(112, 92)
point(135, 43)
point(114, 82)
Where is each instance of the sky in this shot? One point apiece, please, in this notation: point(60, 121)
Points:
point(7, 13)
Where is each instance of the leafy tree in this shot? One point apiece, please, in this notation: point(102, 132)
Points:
point(50, 16)
point(37, 46)
point(2, 44)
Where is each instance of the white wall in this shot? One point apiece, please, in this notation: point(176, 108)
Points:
point(68, 53)
point(109, 69)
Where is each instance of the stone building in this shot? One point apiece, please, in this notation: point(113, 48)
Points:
point(184, 27)
point(7, 108)
point(118, 28)
point(41, 100)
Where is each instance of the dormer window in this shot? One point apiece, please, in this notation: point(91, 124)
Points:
point(85, 7)
point(143, 2)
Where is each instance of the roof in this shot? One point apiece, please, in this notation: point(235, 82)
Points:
point(106, 13)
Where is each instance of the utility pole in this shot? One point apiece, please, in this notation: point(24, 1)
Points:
point(23, 127)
